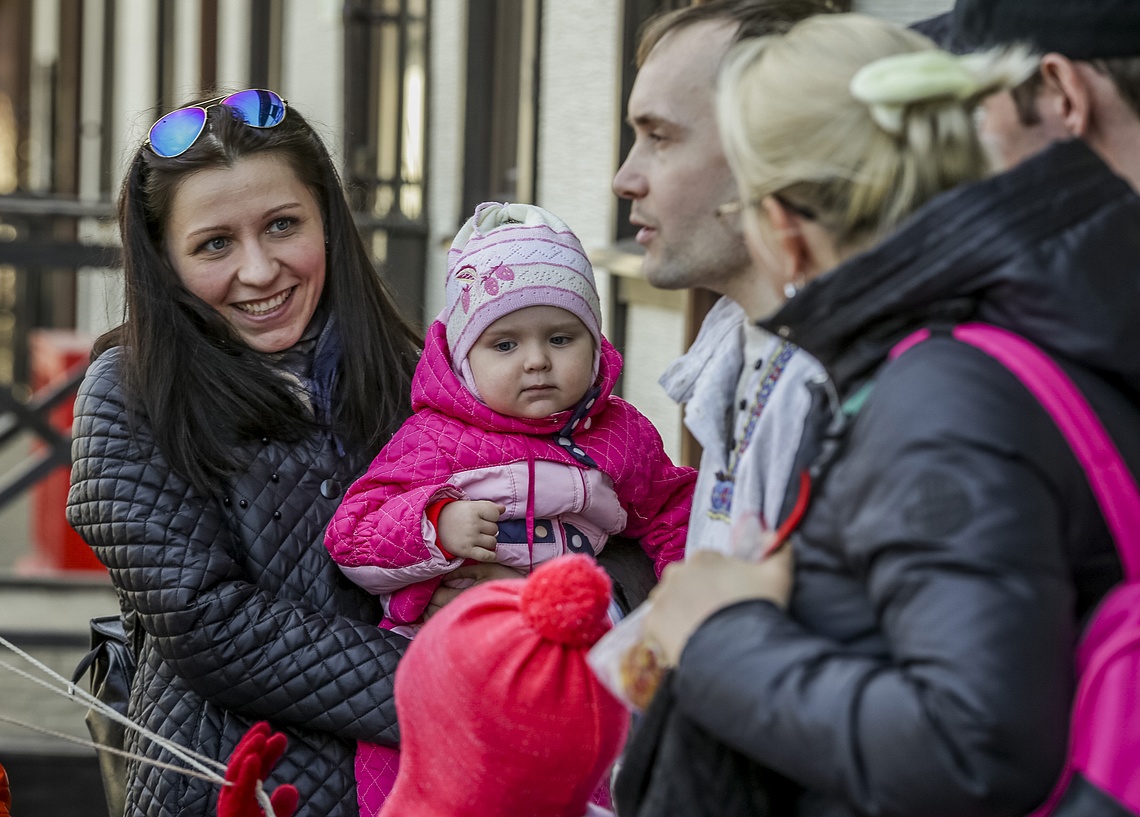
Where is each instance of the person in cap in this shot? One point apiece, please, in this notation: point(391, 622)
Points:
point(1088, 85)
point(499, 677)
point(517, 451)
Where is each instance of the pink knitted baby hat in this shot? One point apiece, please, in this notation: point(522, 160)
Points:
point(500, 715)
point(507, 257)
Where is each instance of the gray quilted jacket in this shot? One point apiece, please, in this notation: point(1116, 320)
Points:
point(245, 615)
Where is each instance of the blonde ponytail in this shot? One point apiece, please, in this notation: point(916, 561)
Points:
point(856, 119)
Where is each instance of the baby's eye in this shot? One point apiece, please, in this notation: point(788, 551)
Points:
point(561, 340)
point(505, 345)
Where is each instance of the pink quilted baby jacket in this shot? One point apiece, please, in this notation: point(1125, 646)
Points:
point(380, 536)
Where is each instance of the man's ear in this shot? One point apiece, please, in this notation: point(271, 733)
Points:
point(1066, 94)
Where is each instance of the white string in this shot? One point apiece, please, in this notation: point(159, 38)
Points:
point(263, 799)
point(70, 691)
point(43, 730)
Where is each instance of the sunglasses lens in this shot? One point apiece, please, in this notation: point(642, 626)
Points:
point(175, 133)
point(259, 109)
point(178, 130)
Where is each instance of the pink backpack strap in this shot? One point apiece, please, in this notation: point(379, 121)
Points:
point(1112, 483)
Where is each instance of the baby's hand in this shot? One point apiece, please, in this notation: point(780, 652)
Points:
point(468, 528)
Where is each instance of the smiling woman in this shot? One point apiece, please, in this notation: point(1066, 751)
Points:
point(249, 241)
point(214, 435)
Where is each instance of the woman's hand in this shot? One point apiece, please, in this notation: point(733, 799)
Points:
point(467, 576)
point(693, 590)
point(467, 528)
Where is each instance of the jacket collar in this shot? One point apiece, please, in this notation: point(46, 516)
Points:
point(716, 353)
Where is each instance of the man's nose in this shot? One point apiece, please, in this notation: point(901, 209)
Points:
point(629, 182)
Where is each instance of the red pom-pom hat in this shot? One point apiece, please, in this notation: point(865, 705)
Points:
point(500, 716)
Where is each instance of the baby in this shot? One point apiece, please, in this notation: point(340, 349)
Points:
point(517, 451)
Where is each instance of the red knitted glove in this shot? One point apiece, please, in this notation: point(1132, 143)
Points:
point(250, 764)
point(5, 794)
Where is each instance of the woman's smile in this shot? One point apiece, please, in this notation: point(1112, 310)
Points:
point(260, 309)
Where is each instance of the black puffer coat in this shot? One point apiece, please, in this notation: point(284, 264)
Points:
point(953, 548)
point(246, 616)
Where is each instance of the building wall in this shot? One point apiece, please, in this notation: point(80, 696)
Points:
point(579, 106)
point(577, 140)
point(580, 113)
point(134, 87)
point(44, 53)
point(446, 101)
point(578, 124)
point(312, 73)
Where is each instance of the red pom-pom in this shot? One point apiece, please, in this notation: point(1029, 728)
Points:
point(567, 600)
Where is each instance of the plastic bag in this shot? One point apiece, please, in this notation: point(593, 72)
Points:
point(629, 664)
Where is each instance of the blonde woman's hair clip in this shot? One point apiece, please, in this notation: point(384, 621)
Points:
point(887, 86)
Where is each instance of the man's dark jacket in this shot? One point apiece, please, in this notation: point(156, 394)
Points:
point(953, 548)
point(246, 616)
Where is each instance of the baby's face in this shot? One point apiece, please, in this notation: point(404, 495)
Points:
point(533, 362)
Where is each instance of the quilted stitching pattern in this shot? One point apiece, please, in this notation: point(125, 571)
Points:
point(376, 768)
point(406, 605)
point(245, 615)
point(379, 522)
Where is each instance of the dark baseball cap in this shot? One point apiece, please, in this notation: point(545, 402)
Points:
point(1079, 29)
point(941, 30)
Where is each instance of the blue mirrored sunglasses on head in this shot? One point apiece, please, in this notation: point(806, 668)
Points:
point(176, 132)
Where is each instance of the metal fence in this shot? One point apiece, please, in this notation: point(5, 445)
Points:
point(40, 255)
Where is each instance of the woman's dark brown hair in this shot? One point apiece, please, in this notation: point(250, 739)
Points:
point(202, 389)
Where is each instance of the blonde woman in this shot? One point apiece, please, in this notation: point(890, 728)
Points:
point(911, 653)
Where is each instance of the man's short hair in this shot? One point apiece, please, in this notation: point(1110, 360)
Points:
point(1125, 75)
point(1124, 72)
point(753, 18)
point(1025, 100)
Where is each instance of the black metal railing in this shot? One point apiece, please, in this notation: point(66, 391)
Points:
point(39, 241)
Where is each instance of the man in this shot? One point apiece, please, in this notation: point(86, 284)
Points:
point(1088, 86)
point(745, 390)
